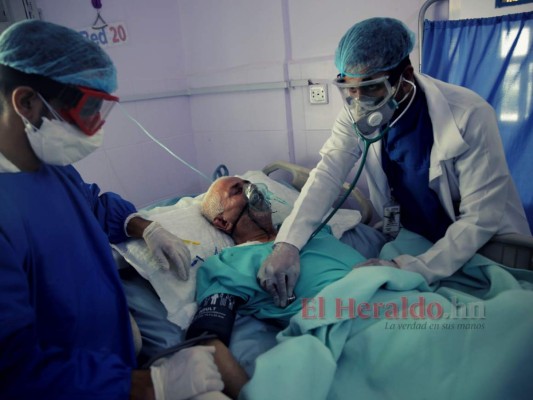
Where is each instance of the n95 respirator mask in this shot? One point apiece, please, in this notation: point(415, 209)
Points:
point(57, 142)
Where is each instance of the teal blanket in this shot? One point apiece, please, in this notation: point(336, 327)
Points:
point(382, 333)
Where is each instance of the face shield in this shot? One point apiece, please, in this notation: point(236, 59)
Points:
point(366, 95)
point(370, 104)
point(87, 108)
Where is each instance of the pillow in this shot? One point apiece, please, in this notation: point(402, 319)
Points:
point(185, 221)
point(203, 240)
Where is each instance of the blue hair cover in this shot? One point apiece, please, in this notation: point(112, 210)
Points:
point(59, 53)
point(373, 45)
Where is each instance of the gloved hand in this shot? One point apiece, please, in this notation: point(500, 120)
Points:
point(168, 249)
point(371, 262)
point(280, 271)
point(185, 374)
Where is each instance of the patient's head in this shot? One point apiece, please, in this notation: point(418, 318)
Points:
point(229, 209)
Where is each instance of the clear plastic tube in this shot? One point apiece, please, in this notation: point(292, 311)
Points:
point(162, 145)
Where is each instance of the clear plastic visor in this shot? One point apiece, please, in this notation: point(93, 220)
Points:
point(367, 95)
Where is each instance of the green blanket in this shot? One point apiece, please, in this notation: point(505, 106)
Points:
point(382, 333)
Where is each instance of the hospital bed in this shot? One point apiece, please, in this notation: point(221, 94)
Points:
point(160, 318)
point(152, 301)
point(511, 250)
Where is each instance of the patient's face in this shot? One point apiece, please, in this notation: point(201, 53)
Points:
point(231, 192)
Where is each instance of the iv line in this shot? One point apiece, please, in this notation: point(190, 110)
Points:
point(162, 145)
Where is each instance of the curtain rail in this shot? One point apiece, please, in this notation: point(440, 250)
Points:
point(421, 16)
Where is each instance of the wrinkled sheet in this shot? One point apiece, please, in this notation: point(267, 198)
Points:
point(407, 340)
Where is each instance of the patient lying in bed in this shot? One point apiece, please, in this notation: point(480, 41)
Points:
point(163, 306)
point(377, 352)
point(226, 283)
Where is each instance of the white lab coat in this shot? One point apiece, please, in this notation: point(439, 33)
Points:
point(467, 169)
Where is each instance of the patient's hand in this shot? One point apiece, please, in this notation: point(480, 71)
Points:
point(377, 262)
point(233, 375)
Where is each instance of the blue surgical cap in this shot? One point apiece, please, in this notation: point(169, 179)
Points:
point(373, 45)
point(59, 53)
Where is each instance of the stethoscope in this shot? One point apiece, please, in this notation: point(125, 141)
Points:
point(368, 140)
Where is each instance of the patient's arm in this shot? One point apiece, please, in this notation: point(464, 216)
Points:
point(233, 375)
point(216, 315)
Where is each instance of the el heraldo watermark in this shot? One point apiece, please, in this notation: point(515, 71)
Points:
point(406, 314)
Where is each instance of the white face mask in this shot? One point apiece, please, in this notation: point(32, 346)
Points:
point(57, 142)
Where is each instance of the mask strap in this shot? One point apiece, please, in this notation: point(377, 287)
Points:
point(402, 100)
point(246, 208)
point(238, 219)
point(50, 108)
point(25, 120)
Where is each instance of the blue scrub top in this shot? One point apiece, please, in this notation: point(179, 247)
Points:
point(64, 328)
point(405, 158)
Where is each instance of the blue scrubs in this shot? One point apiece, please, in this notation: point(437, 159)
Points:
point(405, 158)
point(64, 327)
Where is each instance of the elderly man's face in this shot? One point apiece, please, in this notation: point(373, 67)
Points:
point(231, 192)
point(236, 206)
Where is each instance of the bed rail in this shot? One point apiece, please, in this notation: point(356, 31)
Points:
point(511, 250)
point(421, 17)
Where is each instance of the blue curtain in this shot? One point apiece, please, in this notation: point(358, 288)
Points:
point(494, 57)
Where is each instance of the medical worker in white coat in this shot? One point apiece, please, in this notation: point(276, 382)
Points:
point(439, 168)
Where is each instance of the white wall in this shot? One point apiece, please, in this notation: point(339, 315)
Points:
point(228, 43)
point(256, 41)
point(151, 62)
point(213, 44)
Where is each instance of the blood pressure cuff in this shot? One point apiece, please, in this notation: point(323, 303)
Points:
point(216, 314)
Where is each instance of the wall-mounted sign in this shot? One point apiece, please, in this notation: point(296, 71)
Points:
point(506, 3)
point(113, 34)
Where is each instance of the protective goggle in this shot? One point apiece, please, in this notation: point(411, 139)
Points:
point(367, 95)
point(87, 108)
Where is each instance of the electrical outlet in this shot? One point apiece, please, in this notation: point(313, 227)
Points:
point(318, 93)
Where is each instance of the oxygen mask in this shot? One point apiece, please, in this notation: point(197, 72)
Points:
point(260, 198)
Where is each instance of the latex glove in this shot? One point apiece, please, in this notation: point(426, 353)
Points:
point(280, 271)
point(168, 249)
point(377, 262)
point(185, 374)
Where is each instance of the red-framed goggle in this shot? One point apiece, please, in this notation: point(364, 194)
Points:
point(87, 108)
